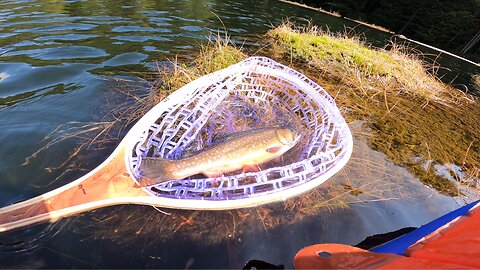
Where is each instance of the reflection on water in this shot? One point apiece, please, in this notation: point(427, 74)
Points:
point(61, 62)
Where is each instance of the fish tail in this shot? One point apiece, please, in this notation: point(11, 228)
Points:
point(154, 171)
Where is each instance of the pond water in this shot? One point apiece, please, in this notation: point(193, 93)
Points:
point(70, 62)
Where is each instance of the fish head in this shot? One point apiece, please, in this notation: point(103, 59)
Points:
point(287, 136)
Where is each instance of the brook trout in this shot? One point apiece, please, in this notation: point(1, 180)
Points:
point(244, 149)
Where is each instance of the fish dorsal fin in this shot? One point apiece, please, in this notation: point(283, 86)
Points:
point(273, 149)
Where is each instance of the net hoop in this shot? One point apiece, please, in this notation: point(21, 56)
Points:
point(172, 125)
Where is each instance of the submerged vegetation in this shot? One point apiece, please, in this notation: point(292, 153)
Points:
point(415, 119)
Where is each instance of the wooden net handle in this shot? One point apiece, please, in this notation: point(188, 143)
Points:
point(96, 190)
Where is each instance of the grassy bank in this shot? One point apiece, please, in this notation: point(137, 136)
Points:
point(450, 26)
point(354, 63)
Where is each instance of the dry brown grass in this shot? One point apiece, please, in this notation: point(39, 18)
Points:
point(476, 80)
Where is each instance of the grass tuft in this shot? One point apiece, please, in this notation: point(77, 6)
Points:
point(217, 54)
point(476, 81)
point(351, 61)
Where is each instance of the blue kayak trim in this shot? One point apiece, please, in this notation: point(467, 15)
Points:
point(399, 245)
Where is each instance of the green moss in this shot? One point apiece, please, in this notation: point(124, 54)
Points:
point(355, 63)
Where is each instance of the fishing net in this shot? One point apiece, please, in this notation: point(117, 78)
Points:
point(254, 93)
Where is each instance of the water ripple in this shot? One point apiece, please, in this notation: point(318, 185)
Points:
point(154, 12)
point(121, 29)
point(5, 35)
point(191, 28)
point(55, 19)
point(60, 27)
point(129, 58)
point(187, 19)
point(19, 78)
point(134, 38)
point(67, 37)
point(26, 43)
point(63, 52)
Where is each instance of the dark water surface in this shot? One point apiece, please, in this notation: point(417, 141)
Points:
point(69, 62)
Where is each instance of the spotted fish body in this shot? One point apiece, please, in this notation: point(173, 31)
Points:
point(244, 149)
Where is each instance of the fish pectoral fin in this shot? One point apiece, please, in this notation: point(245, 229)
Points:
point(274, 149)
point(213, 174)
point(251, 168)
point(278, 159)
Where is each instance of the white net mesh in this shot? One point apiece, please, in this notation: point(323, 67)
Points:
point(256, 92)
